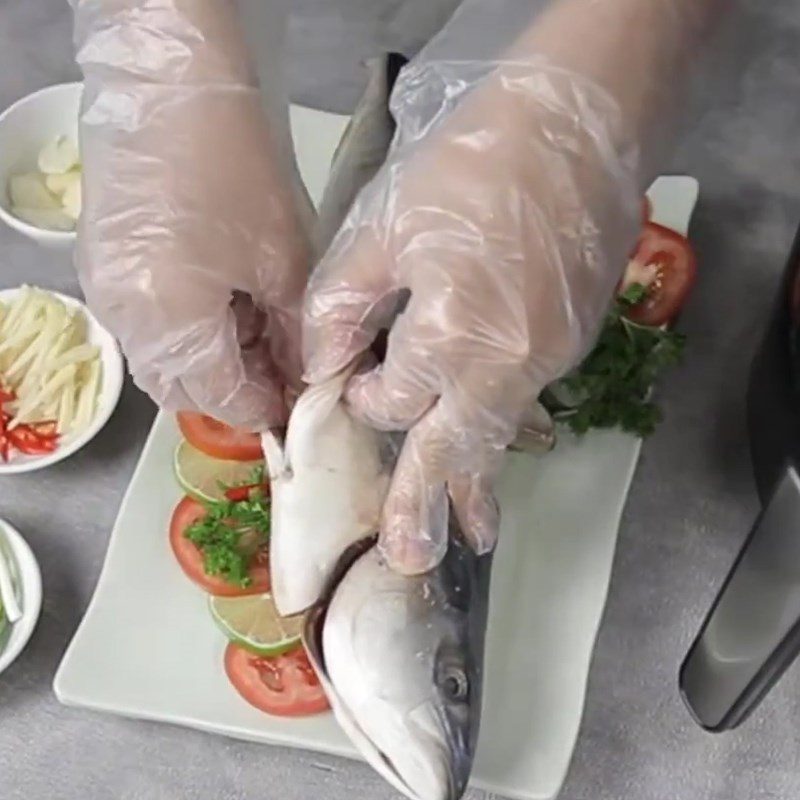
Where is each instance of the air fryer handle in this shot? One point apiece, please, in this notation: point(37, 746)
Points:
point(752, 632)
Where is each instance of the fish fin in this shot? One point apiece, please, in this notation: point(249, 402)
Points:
point(536, 432)
point(274, 454)
point(315, 404)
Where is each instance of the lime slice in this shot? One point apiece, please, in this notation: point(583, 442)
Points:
point(200, 475)
point(254, 623)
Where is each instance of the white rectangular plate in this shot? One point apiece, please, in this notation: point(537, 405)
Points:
point(560, 519)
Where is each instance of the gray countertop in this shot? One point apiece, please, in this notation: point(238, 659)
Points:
point(690, 507)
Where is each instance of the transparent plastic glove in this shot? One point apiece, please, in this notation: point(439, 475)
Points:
point(190, 199)
point(503, 216)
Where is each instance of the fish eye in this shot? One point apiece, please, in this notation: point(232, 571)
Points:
point(455, 684)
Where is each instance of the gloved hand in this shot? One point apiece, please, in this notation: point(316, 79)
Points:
point(504, 214)
point(190, 196)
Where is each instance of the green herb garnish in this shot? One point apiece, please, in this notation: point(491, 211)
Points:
point(255, 478)
point(256, 475)
point(230, 534)
point(612, 386)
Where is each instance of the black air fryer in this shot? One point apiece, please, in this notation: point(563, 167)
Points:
point(752, 632)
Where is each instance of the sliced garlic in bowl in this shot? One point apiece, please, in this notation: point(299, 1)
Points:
point(58, 184)
point(51, 197)
point(29, 190)
point(71, 199)
point(59, 156)
point(39, 134)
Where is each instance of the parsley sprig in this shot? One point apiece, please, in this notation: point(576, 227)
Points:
point(230, 534)
point(255, 477)
point(612, 386)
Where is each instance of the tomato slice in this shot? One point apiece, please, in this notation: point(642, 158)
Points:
point(218, 440)
point(285, 686)
point(190, 557)
point(669, 261)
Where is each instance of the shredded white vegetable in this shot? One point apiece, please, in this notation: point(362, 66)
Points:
point(46, 360)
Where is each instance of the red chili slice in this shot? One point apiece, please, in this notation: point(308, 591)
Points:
point(29, 442)
point(238, 493)
point(34, 439)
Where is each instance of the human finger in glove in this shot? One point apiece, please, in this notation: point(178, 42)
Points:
point(192, 244)
point(499, 225)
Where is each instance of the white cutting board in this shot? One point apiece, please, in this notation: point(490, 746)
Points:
point(560, 515)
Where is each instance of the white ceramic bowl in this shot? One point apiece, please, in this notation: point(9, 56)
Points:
point(113, 373)
point(25, 128)
point(28, 579)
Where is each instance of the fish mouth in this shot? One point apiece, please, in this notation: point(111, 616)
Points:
point(312, 641)
point(436, 789)
point(431, 777)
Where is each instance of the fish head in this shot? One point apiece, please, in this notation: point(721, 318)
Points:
point(401, 659)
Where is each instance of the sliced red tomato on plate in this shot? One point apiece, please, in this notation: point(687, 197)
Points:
point(190, 557)
point(667, 260)
point(218, 440)
point(286, 685)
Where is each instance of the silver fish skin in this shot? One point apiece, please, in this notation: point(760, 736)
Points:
point(328, 477)
point(401, 660)
point(362, 150)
